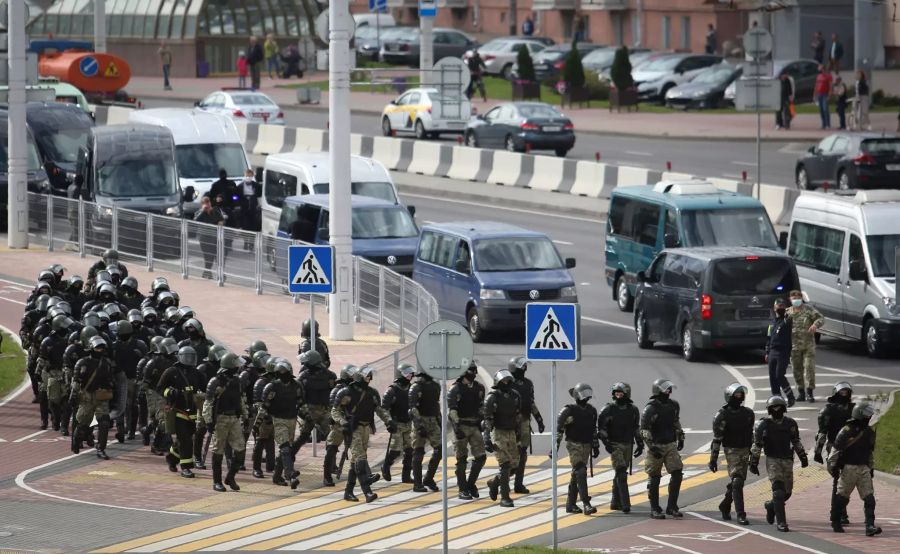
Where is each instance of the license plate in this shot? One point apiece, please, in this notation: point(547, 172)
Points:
point(552, 128)
point(455, 124)
point(893, 167)
point(260, 115)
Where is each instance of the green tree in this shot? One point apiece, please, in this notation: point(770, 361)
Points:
point(621, 70)
point(573, 71)
point(526, 64)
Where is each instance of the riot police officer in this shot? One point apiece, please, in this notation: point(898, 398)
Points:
point(129, 295)
point(336, 435)
point(156, 403)
point(733, 430)
point(74, 352)
point(127, 353)
point(208, 369)
point(832, 417)
point(317, 381)
point(196, 338)
point(578, 423)
point(354, 410)
point(661, 431)
point(396, 401)
point(180, 387)
point(306, 343)
point(425, 412)
point(502, 407)
point(853, 460)
point(50, 367)
point(517, 367)
point(282, 399)
point(619, 429)
point(465, 400)
point(223, 411)
point(109, 258)
point(779, 437)
point(264, 438)
point(92, 390)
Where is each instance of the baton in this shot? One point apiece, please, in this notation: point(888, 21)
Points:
point(592, 466)
point(206, 447)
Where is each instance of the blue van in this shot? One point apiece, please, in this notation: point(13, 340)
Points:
point(645, 219)
point(483, 273)
point(383, 232)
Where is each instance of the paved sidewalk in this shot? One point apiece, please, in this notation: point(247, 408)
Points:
point(736, 126)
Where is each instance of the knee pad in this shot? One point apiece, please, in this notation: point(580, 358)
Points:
point(869, 501)
point(737, 483)
point(676, 474)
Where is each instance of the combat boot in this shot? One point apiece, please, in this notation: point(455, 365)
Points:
point(620, 484)
point(615, 503)
point(461, 483)
point(770, 512)
point(366, 478)
point(45, 410)
point(737, 491)
point(505, 500)
point(198, 449)
point(838, 503)
point(102, 437)
point(493, 486)
point(472, 483)
point(418, 457)
point(76, 440)
point(287, 465)
point(328, 466)
point(653, 495)
point(809, 396)
point(725, 504)
point(584, 492)
point(801, 395)
point(217, 472)
point(869, 511)
point(351, 484)
point(187, 473)
point(277, 477)
point(232, 471)
point(519, 487)
point(388, 461)
point(778, 499)
point(790, 398)
point(406, 476)
point(674, 490)
point(433, 464)
point(572, 498)
point(256, 457)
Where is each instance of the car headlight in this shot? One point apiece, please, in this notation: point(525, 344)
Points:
point(70, 176)
point(174, 210)
point(568, 291)
point(106, 211)
point(698, 93)
point(492, 294)
point(45, 186)
point(891, 305)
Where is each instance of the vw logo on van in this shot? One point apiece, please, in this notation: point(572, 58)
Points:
point(392, 260)
point(534, 295)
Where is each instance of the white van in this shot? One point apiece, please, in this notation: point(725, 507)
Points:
point(283, 172)
point(373, 20)
point(844, 248)
point(205, 143)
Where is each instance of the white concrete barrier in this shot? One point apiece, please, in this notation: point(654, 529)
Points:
point(116, 115)
point(507, 168)
point(387, 151)
point(311, 140)
point(270, 140)
point(426, 158)
point(466, 163)
point(547, 173)
point(590, 179)
point(633, 176)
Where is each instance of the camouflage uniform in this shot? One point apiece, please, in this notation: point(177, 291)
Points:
point(424, 409)
point(619, 429)
point(733, 430)
point(832, 418)
point(661, 431)
point(53, 388)
point(92, 387)
point(502, 409)
point(578, 423)
point(396, 401)
point(803, 346)
point(465, 401)
point(525, 388)
point(317, 383)
point(225, 408)
point(282, 401)
point(853, 458)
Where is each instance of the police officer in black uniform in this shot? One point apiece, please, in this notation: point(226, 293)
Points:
point(50, 365)
point(180, 385)
point(661, 431)
point(207, 369)
point(425, 412)
point(502, 407)
point(578, 423)
point(264, 440)
point(126, 353)
point(619, 429)
point(853, 461)
point(129, 293)
point(306, 344)
point(91, 391)
point(396, 401)
point(282, 400)
point(832, 417)
point(733, 431)
point(465, 401)
point(224, 409)
point(317, 381)
point(523, 385)
point(74, 294)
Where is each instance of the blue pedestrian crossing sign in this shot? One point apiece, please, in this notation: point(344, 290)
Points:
point(552, 332)
point(311, 269)
point(377, 6)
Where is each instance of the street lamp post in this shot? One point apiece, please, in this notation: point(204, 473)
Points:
point(99, 25)
point(17, 147)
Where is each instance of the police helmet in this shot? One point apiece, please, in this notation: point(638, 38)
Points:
point(176, 298)
point(283, 367)
point(230, 360)
point(503, 376)
point(405, 371)
point(216, 352)
point(624, 388)
point(108, 290)
point(91, 319)
point(110, 255)
point(74, 337)
point(124, 329)
point(155, 344)
point(259, 359)
point(76, 281)
point(61, 323)
point(165, 299)
point(104, 317)
point(256, 346)
point(187, 356)
point(305, 330)
point(41, 303)
point(149, 312)
point(54, 301)
point(517, 363)
point(103, 276)
point(46, 275)
point(171, 314)
point(271, 363)
point(194, 324)
point(168, 346)
point(733, 389)
point(64, 307)
point(347, 372)
point(115, 273)
point(87, 334)
point(159, 284)
point(129, 283)
point(863, 411)
point(310, 358)
point(44, 289)
point(135, 316)
point(775, 402)
point(364, 374)
point(58, 270)
point(185, 313)
point(843, 385)
point(113, 310)
point(662, 385)
point(581, 391)
point(97, 342)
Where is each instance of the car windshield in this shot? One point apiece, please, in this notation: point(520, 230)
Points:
point(660, 64)
point(137, 176)
point(714, 75)
point(517, 254)
point(537, 110)
point(61, 145)
point(251, 100)
point(881, 146)
point(549, 55)
point(600, 57)
point(753, 275)
point(34, 161)
point(496, 45)
point(380, 190)
point(728, 227)
point(881, 254)
point(203, 161)
point(383, 223)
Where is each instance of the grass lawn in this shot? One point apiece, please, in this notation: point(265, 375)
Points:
point(887, 449)
point(532, 550)
point(12, 365)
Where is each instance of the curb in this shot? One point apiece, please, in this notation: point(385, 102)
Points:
point(26, 380)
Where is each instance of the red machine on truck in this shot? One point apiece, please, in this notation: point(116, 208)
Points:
point(101, 77)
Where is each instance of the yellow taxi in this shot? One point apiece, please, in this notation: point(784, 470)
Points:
point(425, 113)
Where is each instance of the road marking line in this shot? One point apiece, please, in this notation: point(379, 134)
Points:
point(704, 449)
point(26, 437)
point(20, 482)
point(638, 153)
point(20, 303)
point(742, 380)
point(748, 164)
point(610, 323)
point(520, 210)
point(669, 545)
point(763, 535)
point(862, 375)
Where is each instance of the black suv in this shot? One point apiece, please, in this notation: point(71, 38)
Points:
point(710, 298)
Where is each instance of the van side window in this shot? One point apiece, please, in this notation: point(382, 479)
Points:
point(426, 247)
point(288, 217)
point(818, 247)
point(856, 256)
point(464, 255)
point(617, 223)
point(445, 251)
point(304, 227)
point(675, 273)
point(645, 224)
point(278, 186)
point(654, 275)
point(672, 227)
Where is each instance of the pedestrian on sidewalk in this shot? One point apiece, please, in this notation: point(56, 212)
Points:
point(292, 59)
point(242, 69)
point(619, 429)
point(270, 51)
point(778, 352)
point(822, 93)
point(805, 323)
point(818, 47)
point(528, 26)
point(784, 115)
point(664, 437)
point(835, 54)
point(839, 90)
point(165, 56)
point(213, 216)
point(863, 99)
point(852, 462)
point(578, 422)
point(255, 58)
point(711, 40)
point(733, 430)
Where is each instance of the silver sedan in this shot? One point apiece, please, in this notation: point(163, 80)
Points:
point(243, 105)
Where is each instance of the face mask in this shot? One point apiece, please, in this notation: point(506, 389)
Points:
point(797, 302)
point(777, 413)
point(194, 334)
point(97, 353)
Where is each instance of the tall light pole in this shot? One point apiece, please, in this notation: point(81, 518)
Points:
point(17, 146)
point(340, 317)
point(99, 25)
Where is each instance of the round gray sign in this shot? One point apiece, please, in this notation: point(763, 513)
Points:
point(444, 344)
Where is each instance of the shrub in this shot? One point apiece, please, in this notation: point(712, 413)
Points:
point(526, 64)
point(597, 88)
point(879, 98)
point(573, 71)
point(620, 73)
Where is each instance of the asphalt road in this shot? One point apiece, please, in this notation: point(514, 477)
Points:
point(704, 158)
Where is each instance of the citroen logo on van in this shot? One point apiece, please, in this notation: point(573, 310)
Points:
point(392, 260)
point(755, 301)
point(534, 295)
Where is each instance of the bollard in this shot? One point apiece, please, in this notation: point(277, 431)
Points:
point(668, 166)
point(459, 140)
point(825, 186)
point(394, 133)
point(149, 242)
point(527, 148)
point(597, 156)
point(744, 175)
point(82, 246)
point(49, 223)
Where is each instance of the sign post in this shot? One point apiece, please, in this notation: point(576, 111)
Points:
point(552, 334)
point(758, 46)
point(444, 350)
point(311, 271)
point(427, 13)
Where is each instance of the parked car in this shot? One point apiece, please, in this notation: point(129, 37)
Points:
point(403, 48)
point(521, 126)
point(851, 160)
point(369, 39)
point(706, 90)
point(654, 78)
point(483, 273)
point(243, 105)
point(636, 57)
point(844, 247)
point(549, 61)
point(803, 72)
point(425, 112)
point(710, 298)
point(500, 54)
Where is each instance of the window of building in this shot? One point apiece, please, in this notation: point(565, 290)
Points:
point(686, 32)
point(667, 31)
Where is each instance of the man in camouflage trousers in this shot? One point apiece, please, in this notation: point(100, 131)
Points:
point(517, 366)
point(619, 429)
point(425, 411)
point(578, 422)
point(465, 400)
point(396, 401)
point(502, 407)
point(837, 411)
point(224, 410)
point(852, 461)
point(733, 430)
point(282, 400)
point(317, 381)
point(661, 431)
point(336, 435)
point(806, 323)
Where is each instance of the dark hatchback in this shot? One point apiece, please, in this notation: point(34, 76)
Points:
point(521, 126)
point(710, 298)
point(850, 161)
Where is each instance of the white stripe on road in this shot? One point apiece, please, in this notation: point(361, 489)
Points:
point(495, 207)
point(845, 373)
point(19, 302)
point(609, 323)
point(704, 449)
point(638, 153)
point(763, 535)
point(669, 545)
point(26, 437)
point(748, 164)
